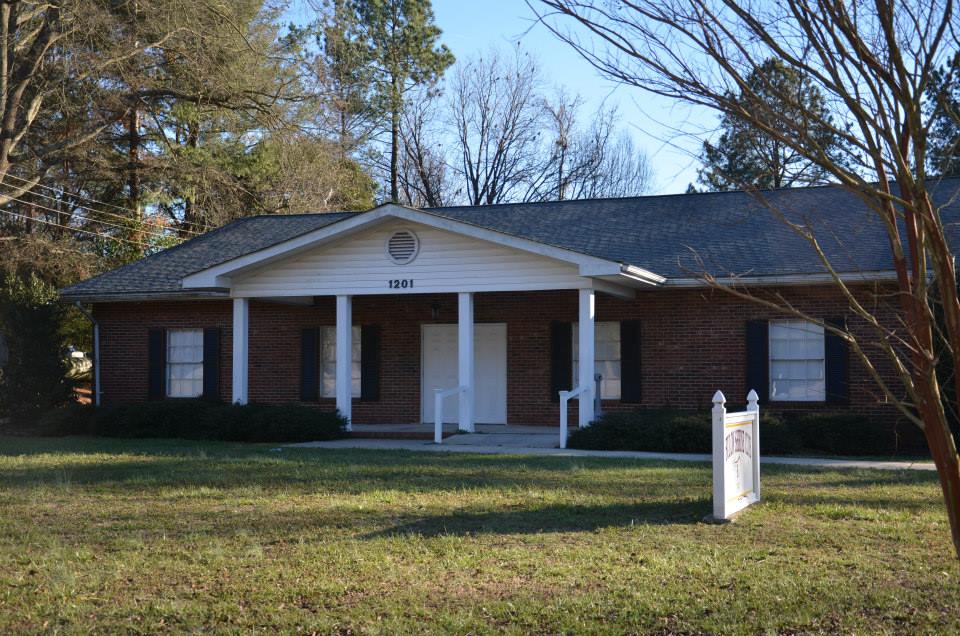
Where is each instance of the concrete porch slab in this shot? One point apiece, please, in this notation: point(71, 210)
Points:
point(492, 435)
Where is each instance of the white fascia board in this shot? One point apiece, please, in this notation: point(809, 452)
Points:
point(219, 275)
point(787, 279)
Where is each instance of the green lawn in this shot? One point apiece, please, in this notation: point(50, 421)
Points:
point(163, 537)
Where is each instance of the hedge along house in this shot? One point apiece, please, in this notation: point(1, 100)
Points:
point(505, 306)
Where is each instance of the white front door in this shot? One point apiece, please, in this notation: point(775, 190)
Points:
point(439, 357)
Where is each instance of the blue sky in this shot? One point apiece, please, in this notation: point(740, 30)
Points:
point(670, 133)
point(473, 26)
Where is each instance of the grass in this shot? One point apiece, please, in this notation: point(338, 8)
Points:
point(145, 536)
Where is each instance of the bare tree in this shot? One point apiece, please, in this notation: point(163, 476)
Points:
point(873, 62)
point(497, 116)
point(424, 178)
point(592, 162)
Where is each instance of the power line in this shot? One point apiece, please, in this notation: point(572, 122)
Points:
point(82, 207)
point(75, 229)
point(64, 193)
point(52, 189)
point(153, 233)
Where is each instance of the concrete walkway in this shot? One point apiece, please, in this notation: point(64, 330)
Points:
point(517, 440)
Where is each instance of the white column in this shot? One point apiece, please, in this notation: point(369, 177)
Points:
point(241, 329)
point(465, 360)
point(345, 357)
point(586, 339)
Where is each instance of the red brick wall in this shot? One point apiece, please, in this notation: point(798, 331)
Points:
point(692, 345)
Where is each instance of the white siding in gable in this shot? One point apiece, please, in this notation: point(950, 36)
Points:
point(446, 262)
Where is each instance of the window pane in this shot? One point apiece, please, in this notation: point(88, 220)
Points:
point(796, 361)
point(606, 357)
point(328, 361)
point(184, 363)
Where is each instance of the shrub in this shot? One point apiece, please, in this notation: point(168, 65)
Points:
point(691, 432)
point(777, 437)
point(845, 434)
point(200, 419)
point(650, 430)
point(34, 378)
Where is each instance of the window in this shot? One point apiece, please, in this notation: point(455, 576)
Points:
point(607, 358)
point(796, 361)
point(184, 363)
point(328, 362)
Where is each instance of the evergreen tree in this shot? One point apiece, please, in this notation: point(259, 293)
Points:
point(943, 97)
point(744, 156)
point(402, 43)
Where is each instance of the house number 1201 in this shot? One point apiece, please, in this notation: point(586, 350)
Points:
point(400, 283)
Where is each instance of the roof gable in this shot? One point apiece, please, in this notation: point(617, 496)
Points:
point(219, 275)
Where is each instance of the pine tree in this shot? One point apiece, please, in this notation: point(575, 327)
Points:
point(744, 156)
point(402, 41)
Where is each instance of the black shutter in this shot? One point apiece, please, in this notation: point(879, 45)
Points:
point(561, 358)
point(370, 363)
point(836, 363)
point(309, 365)
point(211, 363)
point(758, 359)
point(157, 364)
point(630, 361)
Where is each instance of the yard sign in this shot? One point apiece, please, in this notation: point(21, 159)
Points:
point(736, 457)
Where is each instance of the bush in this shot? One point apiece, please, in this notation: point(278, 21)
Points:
point(34, 378)
point(777, 436)
point(846, 434)
point(690, 432)
point(662, 431)
point(198, 419)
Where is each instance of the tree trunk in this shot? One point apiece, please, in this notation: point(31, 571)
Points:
point(394, 157)
point(940, 441)
point(133, 171)
point(190, 213)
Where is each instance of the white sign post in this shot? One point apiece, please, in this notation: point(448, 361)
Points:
point(736, 457)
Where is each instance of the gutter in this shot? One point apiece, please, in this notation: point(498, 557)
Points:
point(786, 279)
point(145, 296)
point(642, 275)
point(96, 352)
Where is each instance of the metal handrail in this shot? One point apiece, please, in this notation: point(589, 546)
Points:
point(565, 397)
point(438, 397)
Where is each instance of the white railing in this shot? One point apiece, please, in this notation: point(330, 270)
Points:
point(438, 396)
point(565, 397)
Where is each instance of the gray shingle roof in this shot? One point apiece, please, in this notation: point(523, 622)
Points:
point(722, 232)
point(675, 236)
point(160, 273)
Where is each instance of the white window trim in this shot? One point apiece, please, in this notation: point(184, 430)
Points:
point(332, 363)
point(822, 397)
point(606, 393)
point(168, 370)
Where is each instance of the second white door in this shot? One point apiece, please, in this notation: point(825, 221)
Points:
point(439, 358)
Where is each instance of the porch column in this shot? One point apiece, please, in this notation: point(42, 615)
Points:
point(586, 338)
point(241, 328)
point(465, 360)
point(345, 357)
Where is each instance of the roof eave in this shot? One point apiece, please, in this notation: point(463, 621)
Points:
point(101, 297)
point(783, 279)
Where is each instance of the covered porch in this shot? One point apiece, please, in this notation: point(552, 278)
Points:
point(463, 319)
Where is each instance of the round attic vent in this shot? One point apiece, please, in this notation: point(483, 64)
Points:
point(402, 247)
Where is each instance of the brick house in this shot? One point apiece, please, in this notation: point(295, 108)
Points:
point(507, 305)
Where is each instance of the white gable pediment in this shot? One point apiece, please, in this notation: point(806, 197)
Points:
point(442, 261)
point(350, 257)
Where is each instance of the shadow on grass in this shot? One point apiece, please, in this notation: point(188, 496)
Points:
point(556, 518)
